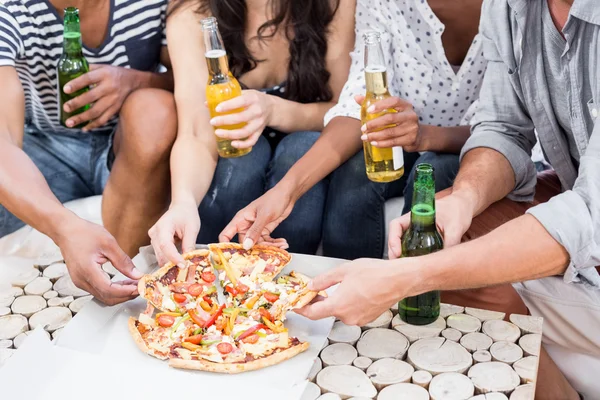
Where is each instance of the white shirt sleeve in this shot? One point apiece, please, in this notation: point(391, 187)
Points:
point(368, 18)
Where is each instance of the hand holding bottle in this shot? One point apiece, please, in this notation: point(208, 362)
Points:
point(254, 110)
point(393, 129)
point(110, 86)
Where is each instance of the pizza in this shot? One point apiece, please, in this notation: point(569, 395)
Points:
point(186, 324)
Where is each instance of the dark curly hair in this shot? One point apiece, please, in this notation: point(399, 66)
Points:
point(306, 23)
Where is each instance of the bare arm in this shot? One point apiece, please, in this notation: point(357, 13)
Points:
point(23, 189)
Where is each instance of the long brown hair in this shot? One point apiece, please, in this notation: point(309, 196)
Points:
point(306, 23)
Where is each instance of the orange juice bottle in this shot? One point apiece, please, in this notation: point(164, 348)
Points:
point(221, 84)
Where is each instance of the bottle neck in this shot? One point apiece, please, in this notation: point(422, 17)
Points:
point(422, 217)
point(218, 66)
point(72, 44)
point(376, 80)
point(423, 201)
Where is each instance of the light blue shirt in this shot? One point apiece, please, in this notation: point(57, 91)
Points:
point(515, 100)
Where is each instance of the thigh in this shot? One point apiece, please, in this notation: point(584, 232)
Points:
point(64, 163)
point(445, 170)
point(303, 227)
point(236, 183)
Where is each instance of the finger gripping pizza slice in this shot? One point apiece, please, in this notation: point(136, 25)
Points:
point(175, 289)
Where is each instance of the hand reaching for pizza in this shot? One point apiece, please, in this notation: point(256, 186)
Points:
point(180, 224)
point(255, 223)
point(367, 287)
point(85, 247)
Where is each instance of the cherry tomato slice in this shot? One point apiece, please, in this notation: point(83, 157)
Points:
point(231, 290)
point(264, 313)
point(224, 348)
point(180, 298)
point(251, 339)
point(208, 277)
point(196, 289)
point(271, 297)
point(196, 339)
point(166, 321)
point(208, 300)
point(241, 288)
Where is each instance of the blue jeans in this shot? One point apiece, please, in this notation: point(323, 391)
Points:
point(445, 169)
point(74, 165)
point(239, 181)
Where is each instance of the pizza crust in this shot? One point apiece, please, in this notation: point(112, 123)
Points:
point(140, 342)
point(224, 368)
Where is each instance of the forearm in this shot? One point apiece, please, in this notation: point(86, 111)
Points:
point(339, 141)
point(25, 192)
point(496, 258)
point(444, 139)
point(485, 176)
point(289, 116)
point(193, 162)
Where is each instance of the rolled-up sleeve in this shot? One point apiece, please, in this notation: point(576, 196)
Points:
point(367, 19)
point(573, 218)
point(502, 122)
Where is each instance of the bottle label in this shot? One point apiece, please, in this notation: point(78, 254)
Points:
point(398, 158)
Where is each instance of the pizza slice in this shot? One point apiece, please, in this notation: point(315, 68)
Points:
point(259, 264)
point(174, 289)
point(250, 345)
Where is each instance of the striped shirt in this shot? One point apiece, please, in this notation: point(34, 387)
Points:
point(31, 40)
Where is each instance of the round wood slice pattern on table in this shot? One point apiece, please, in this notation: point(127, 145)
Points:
point(6, 299)
point(491, 396)
point(438, 355)
point(523, 392)
point(51, 318)
point(25, 277)
point(342, 333)
point(416, 332)
point(482, 356)
point(526, 368)
point(50, 295)
point(76, 305)
point(380, 343)
point(60, 301)
point(57, 333)
point(422, 378)
point(506, 352)
point(451, 385)
point(28, 305)
point(4, 311)
point(476, 341)
point(55, 271)
point(65, 287)
point(493, 377)
point(448, 309)
point(531, 344)
point(389, 371)
point(21, 338)
point(383, 321)
point(452, 334)
point(394, 308)
point(464, 323)
point(527, 323)
point(12, 325)
point(362, 363)
point(347, 381)
point(6, 344)
point(330, 396)
point(484, 315)
point(501, 331)
point(403, 391)
point(338, 354)
point(16, 291)
point(312, 392)
point(316, 368)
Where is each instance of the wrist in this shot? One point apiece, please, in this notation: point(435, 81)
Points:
point(468, 197)
point(270, 105)
point(183, 200)
point(59, 223)
point(413, 276)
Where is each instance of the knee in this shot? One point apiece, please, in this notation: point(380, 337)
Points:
point(349, 183)
point(291, 149)
point(148, 124)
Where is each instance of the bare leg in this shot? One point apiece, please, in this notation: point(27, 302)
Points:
point(137, 192)
point(551, 383)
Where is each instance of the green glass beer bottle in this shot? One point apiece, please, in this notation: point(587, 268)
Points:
point(72, 64)
point(422, 238)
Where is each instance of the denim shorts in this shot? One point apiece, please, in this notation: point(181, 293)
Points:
point(75, 166)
